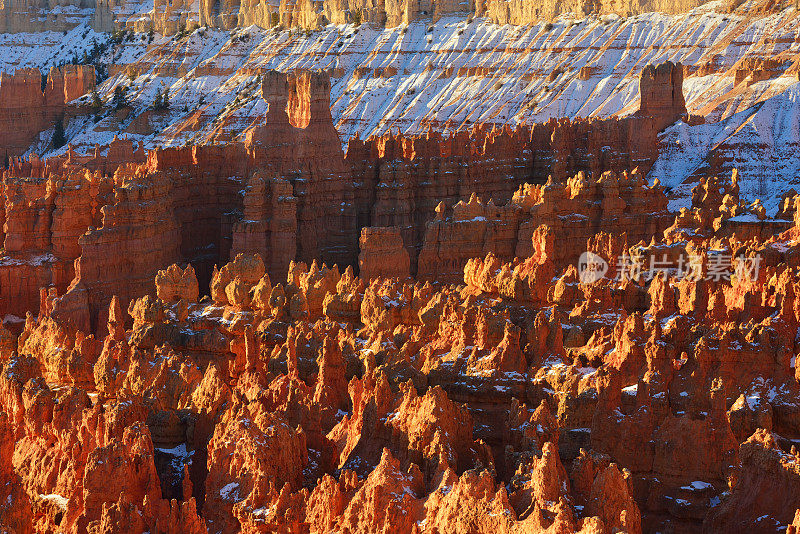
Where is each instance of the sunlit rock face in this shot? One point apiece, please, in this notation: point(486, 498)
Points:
point(94, 226)
point(332, 266)
point(327, 400)
point(446, 74)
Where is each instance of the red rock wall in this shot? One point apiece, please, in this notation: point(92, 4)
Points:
point(290, 193)
point(29, 105)
point(661, 90)
point(400, 181)
point(570, 214)
point(42, 222)
point(299, 142)
point(382, 254)
point(268, 226)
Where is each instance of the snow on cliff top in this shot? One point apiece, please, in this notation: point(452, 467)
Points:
point(762, 142)
point(454, 73)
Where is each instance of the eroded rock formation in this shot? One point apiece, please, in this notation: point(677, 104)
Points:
point(527, 11)
point(31, 103)
point(328, 401)
point(104, 224)
point(194, 351)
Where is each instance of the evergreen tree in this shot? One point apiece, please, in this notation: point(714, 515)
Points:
point(120, 100)
point(97, 104)
point(59, 139)
point(161, 101)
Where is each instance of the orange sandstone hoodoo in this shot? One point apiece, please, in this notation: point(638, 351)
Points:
point(196, 353)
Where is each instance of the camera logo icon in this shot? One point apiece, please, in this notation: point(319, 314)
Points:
point(591, 267)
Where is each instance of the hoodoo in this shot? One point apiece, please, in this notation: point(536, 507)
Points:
point(489, 267)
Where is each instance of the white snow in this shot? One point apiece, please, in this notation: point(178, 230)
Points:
point(226, 492)
point(753, 401)
point(263, 512)
point(697, 485)
point(760, 141)
point(179, 450)
point(55, 498)
point(460, 73)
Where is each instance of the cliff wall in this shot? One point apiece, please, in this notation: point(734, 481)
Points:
point(31, 103)
point(571, 213)
point(32, 16)
point(403, 180)
point(529, 11)
point(289, 192)
point(311, 14)
point(170, 17)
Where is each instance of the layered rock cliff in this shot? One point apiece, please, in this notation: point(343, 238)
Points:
point(31, 103)
point(28, 16)
point(449, 76)
point(171, 17)
point(289, 192)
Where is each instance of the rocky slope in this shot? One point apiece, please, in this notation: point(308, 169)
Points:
point(336, 280)
point(453, 74)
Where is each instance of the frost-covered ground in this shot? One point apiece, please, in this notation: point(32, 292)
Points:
point(762, 142)
point(46, 49)
point(455, 73)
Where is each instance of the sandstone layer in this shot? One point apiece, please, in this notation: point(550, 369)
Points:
point(98, 225)
point(281, 335)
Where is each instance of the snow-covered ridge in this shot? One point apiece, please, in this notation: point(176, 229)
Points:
point(762, 142)
point(456, 73)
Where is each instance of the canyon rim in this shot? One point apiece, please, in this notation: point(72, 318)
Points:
point(429, 267)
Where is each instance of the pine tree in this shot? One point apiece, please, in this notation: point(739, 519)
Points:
point(59, 139)
point(161, 101)
point(120, 100)
point(97, 104)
